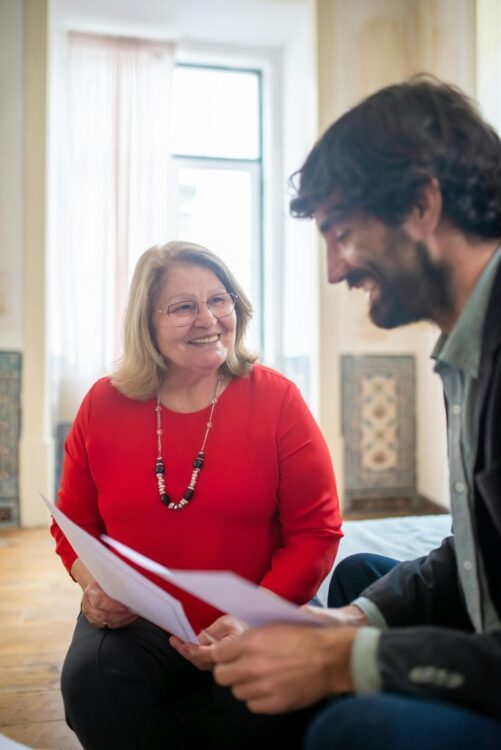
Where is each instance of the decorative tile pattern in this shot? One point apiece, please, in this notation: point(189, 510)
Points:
point(379, 427)
point(10, 410)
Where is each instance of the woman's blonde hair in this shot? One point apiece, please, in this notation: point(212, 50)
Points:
point(142, 368)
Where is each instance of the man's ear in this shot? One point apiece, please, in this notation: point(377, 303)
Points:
point(424, 218)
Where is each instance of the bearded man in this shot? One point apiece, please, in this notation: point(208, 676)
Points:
point(406, 190)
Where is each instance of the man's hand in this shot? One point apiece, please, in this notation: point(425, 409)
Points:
point(285, 667)
point(202, 656)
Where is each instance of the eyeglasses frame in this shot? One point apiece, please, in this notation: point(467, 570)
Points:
point(165, 310)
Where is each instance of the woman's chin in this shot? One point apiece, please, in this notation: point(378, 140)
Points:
point(210, 360)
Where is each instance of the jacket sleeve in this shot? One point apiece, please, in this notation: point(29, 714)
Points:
point(443, 664)
point(308, 506)
point(430, 649)
point(425, 591)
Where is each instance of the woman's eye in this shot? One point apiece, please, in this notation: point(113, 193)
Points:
point(183, 307)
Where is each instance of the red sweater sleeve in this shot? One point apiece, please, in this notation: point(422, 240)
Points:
point(78, 495)
point(308, 505)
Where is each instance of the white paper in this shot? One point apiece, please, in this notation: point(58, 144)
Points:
point(228, 592)
point(123, 583)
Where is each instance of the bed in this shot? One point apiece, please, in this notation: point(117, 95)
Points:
point(403, 538)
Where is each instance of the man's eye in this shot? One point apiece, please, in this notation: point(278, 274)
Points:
point(342, 236)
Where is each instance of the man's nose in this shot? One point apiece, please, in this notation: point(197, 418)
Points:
point(337, 266)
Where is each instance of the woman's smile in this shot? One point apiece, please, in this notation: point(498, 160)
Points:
point(205, 339)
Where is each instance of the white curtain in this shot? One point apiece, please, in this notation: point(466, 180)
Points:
point(112, 199)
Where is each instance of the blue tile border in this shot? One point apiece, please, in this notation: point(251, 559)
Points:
point(62, 430)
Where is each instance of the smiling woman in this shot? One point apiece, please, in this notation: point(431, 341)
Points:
point(201, 459)
point(195, 328)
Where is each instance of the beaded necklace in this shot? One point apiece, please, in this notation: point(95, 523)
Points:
point(197, 463)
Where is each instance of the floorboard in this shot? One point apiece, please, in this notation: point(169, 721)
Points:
point(38, 606)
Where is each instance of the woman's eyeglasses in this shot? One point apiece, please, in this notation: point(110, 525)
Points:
point(184, 313)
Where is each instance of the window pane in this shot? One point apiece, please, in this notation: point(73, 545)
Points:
point(215, 113)
point(216, 208)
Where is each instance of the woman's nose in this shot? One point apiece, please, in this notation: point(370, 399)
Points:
point(204, 314)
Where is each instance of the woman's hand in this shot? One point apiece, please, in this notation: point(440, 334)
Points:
point(102, 611)
point(224, 627)
point(98, 607)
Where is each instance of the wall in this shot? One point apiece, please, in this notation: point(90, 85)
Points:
point(11, 174)
point(363, 46)
point(488, 28)
point(23, 64)
point(36, 447)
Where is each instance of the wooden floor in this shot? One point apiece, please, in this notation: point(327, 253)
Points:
point(38, 607)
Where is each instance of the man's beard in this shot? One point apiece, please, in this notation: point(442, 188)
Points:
point(409, 292)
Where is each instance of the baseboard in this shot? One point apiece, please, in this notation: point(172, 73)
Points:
point(383, 506)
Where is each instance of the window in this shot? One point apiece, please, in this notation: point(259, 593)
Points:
point(217, 171)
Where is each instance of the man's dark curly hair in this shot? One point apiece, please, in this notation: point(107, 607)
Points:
point(377, 158)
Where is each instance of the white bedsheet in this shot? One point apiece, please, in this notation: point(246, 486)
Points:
point(403, 538)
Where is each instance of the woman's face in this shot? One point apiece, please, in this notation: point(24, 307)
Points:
point(205, 342)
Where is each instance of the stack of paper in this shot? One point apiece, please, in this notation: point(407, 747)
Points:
point(226, 591)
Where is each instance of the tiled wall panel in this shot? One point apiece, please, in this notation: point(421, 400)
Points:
point(10, 422)
point(379, 431)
